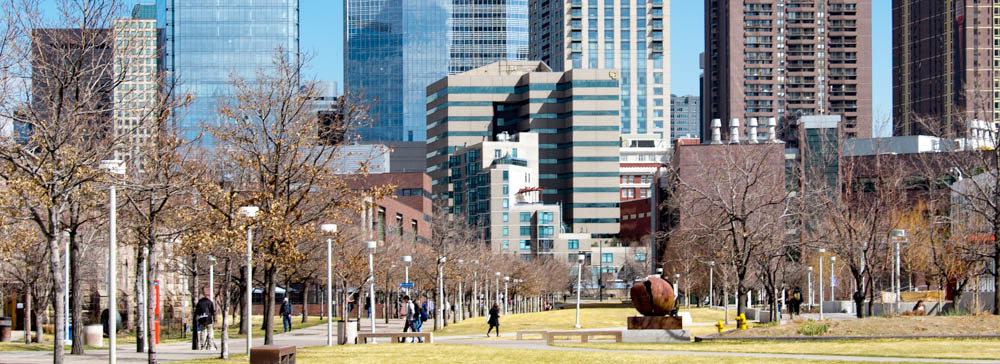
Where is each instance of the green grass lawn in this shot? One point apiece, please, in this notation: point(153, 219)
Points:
point(929, 348)
point(590, 318)
point(462, 354)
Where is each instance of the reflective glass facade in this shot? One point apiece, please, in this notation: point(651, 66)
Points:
point(395, 48)
point(206, 41)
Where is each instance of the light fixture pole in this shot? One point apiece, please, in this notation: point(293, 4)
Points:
point(579, 286)
point(821, 251)
point(66, 333)
point(474, 311)
point(371, 287)
point(505, 294)
point(898, 236)
point(711, 283)
point(833, 279)
point(809, 275)
point(250, 212)
point(211, 293)
point(329, 230)
point(496, 288)
point(117, 168)
point(677, 285)
point(461, 294)
point(406, 275)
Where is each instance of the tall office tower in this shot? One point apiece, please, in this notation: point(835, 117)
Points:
point(631, 36)
point(395, 48)
point(486, 31)
point(944, 65)
point(206, 41)
point(788, 58)
point(685, 117)
point(574, 114)
point(136, 56)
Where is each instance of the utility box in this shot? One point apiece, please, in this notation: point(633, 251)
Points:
point(272, 354)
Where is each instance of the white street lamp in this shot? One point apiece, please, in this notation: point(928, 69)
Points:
point(711, 278)
point(505, 296)
point(329, 230)
point(677, 285)
point(459, 315)
point(899, 236)
point(833, 279)
point(474, 307)
point(579, 283)
point(371, 287)
point(117, 168)
point(809, 275)
point(821, 251)
point(406, 276)
point(66, 334)
point(249, 212)
point(211, 293)
point(496, 288)
point(144, 301)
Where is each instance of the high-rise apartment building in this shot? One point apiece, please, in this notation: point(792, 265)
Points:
point(787, 58)
point(630, 36)
point(685, 117)
point(136, 58)
point(394, 49)
point(574, 113)
point(207, 41)
point(944, 65)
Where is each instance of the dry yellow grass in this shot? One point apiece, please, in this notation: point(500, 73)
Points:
point(937, 349)
point(590, 318)
point(456, 354)
point(902, 325)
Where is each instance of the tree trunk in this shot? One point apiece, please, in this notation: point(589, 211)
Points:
point(75, 297)
point(55, 269)
point(194, 302)
point(39, 312)
point(27, 315)
point(151, 308)
point(305, 301)
point(225, 309)
point(269, 283)
point(859, 296)
point(996, 275)
point(139, 305)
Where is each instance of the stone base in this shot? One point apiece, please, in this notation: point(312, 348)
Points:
point(656, 336)
point(655, 323)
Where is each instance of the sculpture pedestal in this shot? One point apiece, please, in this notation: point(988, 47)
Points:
point(655, 323)
point(656, 336)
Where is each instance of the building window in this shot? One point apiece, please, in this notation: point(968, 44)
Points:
point(640, 257)
point(496, 153)
point(547, 217)
point(506, 175)
point(525, 245)
point(514, 153)
point(573, 244)
point(506, 244)
point(525, 230)
point(506, 203)
point(506, 231)
point(607, 258)
point(506, 217)
point(525, 217)
point(506, 189)
point(546, 231)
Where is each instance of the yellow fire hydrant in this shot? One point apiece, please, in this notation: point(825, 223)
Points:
point(719, 326)
point(741, 322)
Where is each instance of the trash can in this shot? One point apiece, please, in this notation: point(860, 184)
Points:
point(347, 332)
point(93, 335)
point(5, 326)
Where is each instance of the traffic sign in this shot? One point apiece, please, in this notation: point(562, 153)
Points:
point(406, 285)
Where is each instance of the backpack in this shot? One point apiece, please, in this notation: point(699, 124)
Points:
point(423, 312)
point(796, 296)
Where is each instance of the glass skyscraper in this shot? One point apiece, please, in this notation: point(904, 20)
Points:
point(206, 41)
point(394, 49)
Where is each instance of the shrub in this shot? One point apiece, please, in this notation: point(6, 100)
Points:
point(813, 329)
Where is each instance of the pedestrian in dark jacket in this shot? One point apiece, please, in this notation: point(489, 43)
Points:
point(204, 312)
point(286, 315)
point(494, 320)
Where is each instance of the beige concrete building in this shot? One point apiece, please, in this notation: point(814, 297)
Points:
point(136, 62)
point(574, 114)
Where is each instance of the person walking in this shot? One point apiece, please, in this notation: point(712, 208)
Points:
point(796, 303)
point(204, 313)
point(410, 310)
point(286, 315)
point(419, 316)
point(494, 320)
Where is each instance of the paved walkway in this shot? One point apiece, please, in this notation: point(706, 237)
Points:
point(316, 336)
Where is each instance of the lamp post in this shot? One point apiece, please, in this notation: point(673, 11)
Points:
point(505, 296)
point(711, 282)
point(659, 272)
point(579, 286)
point(833, 279)
point(677, 285)
point(496, 288)
point(371, 286)
point(899, 236)
point(115, 167)
point(460, 314)
point(250, 212)
point(809, 276)
point(329, 230)
point(474, 308)
point(821, 251)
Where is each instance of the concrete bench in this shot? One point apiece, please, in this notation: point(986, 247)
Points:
point(272, 354)
point(520, 334)
point(584, 335)
point(395, 336)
